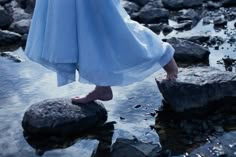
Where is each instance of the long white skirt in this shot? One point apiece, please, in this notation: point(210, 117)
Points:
point(97, 38)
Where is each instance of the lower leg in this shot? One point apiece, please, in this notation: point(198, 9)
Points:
point(171, 69)
point(103, 93)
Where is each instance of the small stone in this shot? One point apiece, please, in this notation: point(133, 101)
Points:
point(137, 106)
point(122, 118)
point(220, 21)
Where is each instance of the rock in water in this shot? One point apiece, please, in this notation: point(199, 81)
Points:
point(222, 146)
point(61, 117)
point(127, 145)
point(199, 87)
point(189, 52)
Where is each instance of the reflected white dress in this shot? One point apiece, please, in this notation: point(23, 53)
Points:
point(97, 38)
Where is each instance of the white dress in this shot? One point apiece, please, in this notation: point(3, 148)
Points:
point(97, 38)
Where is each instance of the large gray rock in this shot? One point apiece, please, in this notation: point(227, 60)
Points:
point(8, 39)
point(21, 27)
point(5, 18)
point(130, 7)
point(127, 145)
point(28, 5)
point(222, 146)
point(189, 52)
point(199, 88)
point(16, 12)
point(2, 2)
point(229, 3)
point(61, 117)
point(149, 14)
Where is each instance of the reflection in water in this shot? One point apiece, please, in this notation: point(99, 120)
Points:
point(184, 132)
point(97, 141)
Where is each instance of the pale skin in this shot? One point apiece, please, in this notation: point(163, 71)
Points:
point(104, 93)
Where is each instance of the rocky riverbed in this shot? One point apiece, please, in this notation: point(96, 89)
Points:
point(201, 110)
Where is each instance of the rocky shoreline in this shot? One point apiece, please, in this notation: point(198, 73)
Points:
point(182, 125)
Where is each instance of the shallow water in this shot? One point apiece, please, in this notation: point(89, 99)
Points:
point(225, 49)
point(22, 84)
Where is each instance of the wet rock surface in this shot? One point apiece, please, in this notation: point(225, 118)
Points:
point(11, 56)
point(127, 145)
point(5, 19)
point(61, 117)
point(222, 146)
point(21, 27)
point(188, 52)
point(198, 87)
point(9, 39)
point(134, 148)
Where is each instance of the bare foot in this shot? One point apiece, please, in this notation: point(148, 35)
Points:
point(171, 69)
point(99, 93)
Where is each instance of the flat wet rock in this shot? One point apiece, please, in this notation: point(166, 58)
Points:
point(199, 87)
point(222, 146)
point(61, 117)
point(127, 145)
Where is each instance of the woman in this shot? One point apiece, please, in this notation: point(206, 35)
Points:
point(97, 38)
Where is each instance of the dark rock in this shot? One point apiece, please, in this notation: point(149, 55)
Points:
point(199, 87)
point(181, 4)
point(213, 5)
point(198, 39)
point(183, 26)
point(229, 3)
point(235, 24)
point(220, 21)
point(148, 14)
point(206, 21)
point(140, 2)
point(130, 7)
point(222, 146)
point(189, 52)
point(21, 27)
point(157, 28)
point(134, 148)
point(185, 131)
point(137, 106)
point(130, 146)
point(16, 12)
point(11, 56)
point(2, 2)
point(61, 117)
point(155, 4)
point(27, 5)
point(5, 19)
point(8, 39)
point(166, 29)
point(188, 15)
point(215, 41)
